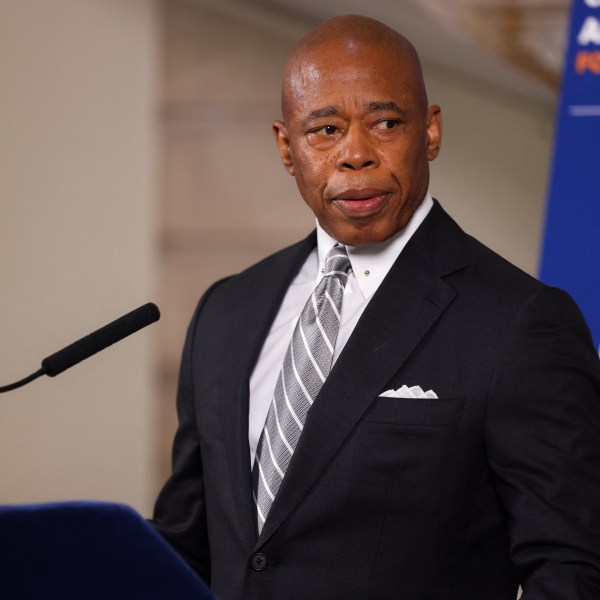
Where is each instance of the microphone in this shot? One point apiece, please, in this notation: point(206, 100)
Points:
point(89, 345)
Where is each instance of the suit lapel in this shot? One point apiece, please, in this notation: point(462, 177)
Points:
point(260, 293)
point(409, 301)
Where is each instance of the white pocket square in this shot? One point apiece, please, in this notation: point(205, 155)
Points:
point(408, 392)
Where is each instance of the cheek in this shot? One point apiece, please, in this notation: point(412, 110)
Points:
point(307, 183)
point(313, 172)
point(406, 170)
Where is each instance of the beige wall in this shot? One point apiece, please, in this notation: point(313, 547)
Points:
point(492, 172)
point(78, 157)
point(82, 238)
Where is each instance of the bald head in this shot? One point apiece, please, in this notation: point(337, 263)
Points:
point(357, 133)
point(348, 37)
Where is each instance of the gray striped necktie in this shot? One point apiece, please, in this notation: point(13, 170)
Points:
point(306, 365)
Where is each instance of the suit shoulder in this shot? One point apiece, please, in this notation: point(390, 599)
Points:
point(284, 261)
point(497, 267)
point(282, 258)
point(469, 262)
point(505, 288)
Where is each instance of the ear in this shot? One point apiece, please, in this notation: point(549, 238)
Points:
point(282, 139)
point(434, 131)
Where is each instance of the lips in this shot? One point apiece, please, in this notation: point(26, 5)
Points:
point(360, 202)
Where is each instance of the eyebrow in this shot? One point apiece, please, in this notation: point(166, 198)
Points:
point(330, 111)
point(379, 106)
point(326, 111)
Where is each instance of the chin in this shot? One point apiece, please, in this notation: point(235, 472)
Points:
point(363, 238)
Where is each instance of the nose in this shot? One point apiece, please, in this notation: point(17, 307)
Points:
point(356, 150)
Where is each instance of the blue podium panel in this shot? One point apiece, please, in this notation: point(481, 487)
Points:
point(91, 551)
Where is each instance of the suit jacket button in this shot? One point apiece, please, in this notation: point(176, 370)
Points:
point(259, 562)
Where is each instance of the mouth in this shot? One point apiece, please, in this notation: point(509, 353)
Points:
point(361, 202)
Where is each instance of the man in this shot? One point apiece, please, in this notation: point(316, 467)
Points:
point(452, 451)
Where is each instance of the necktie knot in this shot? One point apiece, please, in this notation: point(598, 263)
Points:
point(337, 264)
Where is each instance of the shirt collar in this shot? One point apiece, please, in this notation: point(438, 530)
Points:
point(371, 263)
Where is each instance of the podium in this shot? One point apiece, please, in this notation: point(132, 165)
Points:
point(91, 551)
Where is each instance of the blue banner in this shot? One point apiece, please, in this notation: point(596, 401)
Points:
point(571, 252)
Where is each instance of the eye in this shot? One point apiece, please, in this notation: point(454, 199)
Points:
point(387, 124)
point(325, 130)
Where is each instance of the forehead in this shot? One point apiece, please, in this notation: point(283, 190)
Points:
point(351, 73)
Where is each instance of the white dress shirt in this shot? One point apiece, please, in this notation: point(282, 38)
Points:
point(370, 265)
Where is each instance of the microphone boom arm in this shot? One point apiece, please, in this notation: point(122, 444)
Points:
point(24, 381)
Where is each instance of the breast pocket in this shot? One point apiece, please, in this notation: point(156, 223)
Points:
point(430, 412)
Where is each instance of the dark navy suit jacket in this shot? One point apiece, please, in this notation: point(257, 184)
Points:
point(495, 483)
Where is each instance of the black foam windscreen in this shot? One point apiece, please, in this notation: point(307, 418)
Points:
point(98, 340)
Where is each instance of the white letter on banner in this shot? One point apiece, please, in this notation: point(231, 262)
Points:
point(593, 3)
point(590, 32)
